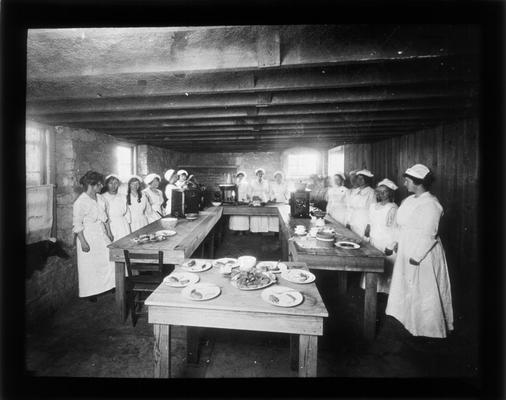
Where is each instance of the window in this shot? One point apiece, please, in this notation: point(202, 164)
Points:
point(301, 165)
point(37, 155)
point(125, 158)
point(336, 160)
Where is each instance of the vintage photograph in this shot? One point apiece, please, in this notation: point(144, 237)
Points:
point(253, 201)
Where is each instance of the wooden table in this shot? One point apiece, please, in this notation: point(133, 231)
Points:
point(366, 259)
point(238, 309)
point(190, 235)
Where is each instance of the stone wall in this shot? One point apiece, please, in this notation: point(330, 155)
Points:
point(156, 160)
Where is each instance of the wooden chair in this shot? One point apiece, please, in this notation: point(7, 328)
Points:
point(139, 286)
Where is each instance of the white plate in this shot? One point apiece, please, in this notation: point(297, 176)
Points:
point(298, 275)
point(181, 279)
point(199, 266)
point(286, 297)
point(300, 233)
point(347, 245)
point(166, 232)
point(191, 218)
point(272, 279)
point(206, 290)
point(216, 263)
point(271, 265)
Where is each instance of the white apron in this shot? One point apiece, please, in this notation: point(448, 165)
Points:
point(382, 234)
point(259, 223)
point(240, 222)
point(168, 195)
point(155, 199)
point(95, 271)
point(138, 212)
point(336, 203)
point(280, 194)
point(420, 296)
point(359, 203)
point(118, 214)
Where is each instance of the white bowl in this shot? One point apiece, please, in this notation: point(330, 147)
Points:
point(168, 223)
point(246, 262)
point(216, 203)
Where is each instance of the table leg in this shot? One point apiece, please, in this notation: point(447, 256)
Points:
point(211, 245)
point(192, 344)
point(120, 289)
point(294, 352)
point(342, 282)
point(371, 280)
point(161, 350)
point(202, 249)
point(308, 355)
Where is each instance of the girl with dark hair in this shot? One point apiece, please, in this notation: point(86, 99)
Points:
point(95, 271)
point(118, 214)
point(359, 202)
point(137, 204)
point(420, 292)
point(154, 197)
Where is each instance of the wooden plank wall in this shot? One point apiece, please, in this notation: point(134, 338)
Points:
point(452, 152)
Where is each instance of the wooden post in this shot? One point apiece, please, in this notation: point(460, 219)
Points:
point(371, 280)
point(294, 352)
point(120, 289)
point(211, 246)
point(192, 344)
point(162, 351)
point(342, 282)
point(308, 355)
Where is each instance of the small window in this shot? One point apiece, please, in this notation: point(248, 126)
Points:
point(302, 165)
point(336, 160)
point(37, 155)
point(125, 156)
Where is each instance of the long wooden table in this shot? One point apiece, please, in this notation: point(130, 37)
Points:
point(238, 309)
point(190, 235)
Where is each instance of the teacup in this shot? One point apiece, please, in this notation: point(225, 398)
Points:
point(246, 262)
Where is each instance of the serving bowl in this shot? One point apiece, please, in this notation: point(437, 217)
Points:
point(216, 203)
point(246, 262)
point(168, 223)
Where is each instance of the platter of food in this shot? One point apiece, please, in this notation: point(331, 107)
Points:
point(165, 232)
point(226, 262)
point(282, 296)
point(153, 237)
point(196, 266)
point(181, 279)
point(252, 279)
point(201, 291)
point(298, 276)
point(347, 245)
point(192, 216)
point(275, 267)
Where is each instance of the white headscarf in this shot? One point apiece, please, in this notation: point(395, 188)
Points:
point(279, 173)
point(365, 172)
point(388, 183)
point(241, 172)
point(113, 176)
point(419, 171)
point(182, 171)
point(168, 174)
point(259, 169)
point(150, 178)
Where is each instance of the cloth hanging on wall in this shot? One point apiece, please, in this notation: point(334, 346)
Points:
point(39, 213)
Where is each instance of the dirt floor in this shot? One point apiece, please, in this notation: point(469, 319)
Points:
point(85, 339)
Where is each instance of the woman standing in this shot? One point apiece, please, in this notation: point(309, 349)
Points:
point(240, 222)
point(336, 199)
point(171, 178)
point(381, 229)
point(95, 271)
point(137, 204)
point(118, 214)
point(154, 196)
point(279, 194)
point(259, 190)
point(420, 292)
point(359, 202)
point(182, 177)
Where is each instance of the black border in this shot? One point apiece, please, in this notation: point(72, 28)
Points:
point(18, 15)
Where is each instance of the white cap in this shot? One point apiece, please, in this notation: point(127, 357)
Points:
point(388, 183)
point(241, 172)
point(182, 171)
point(168, 174)
point(112, 176)
point(279, 173)
point(365, 172)
point(259, 169)
point(419, 171)
point(150, 178)
point(354, 172)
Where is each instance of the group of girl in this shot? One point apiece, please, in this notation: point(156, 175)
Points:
point(416, 274)
point(102, 214)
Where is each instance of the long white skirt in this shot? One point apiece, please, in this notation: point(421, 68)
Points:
point(273, 224)
point(94, 270)
point(119, 227)
point(259, 224)
point(238, 223)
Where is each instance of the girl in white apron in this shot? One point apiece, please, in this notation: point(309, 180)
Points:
point(154, 196)
point(137, 204)
point(118, 214)
point(240, 223)
point(360, 201)
point(381, 230)
point(336, 199)
point(95, 271)
point(182, 177)
point(420, 292)
point(259, 189)
point(279, 194)
point(171, 178)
